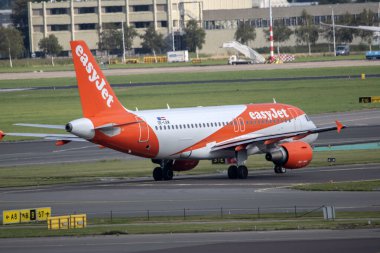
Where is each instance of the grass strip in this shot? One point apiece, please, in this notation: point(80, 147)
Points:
point(49, 174)
point(183, 77)
point(372, 185)
point(187, 227)
point(313, 96)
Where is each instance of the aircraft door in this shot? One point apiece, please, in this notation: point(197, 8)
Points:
point(143, 130)
point(296, 121)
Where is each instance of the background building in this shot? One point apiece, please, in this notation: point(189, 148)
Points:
point(76, 19)
point(5, 13)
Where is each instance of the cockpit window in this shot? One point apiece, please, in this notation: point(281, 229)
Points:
point(307, 117)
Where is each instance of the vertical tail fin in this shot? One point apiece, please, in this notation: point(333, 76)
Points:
point(97, 96)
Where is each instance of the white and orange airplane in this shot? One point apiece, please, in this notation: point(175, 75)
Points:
point(176, 139)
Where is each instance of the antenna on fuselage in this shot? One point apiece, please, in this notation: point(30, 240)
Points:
point(274, 101)
point(168, 106)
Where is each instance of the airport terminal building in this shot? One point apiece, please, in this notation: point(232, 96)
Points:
point(85, 19)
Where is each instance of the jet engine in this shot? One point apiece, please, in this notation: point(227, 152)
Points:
point(291, 155)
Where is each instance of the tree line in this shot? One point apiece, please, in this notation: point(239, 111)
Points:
point(14, 40)
point(308, 33)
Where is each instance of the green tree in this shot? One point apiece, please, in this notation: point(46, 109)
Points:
point(152, 41)
point(50, 46)
point(307, 33)
point(345, 35)
point(11, 43)
point(366, 18)
point(110, 39)
point(19, 18)
point(194, 36)
point(245, 33)
point(281, 33)
point(129, 34)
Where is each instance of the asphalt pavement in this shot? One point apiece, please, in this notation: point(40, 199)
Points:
point(311, 241)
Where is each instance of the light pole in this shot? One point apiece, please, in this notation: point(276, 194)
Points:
point(122, 31)
point(333, 27)
point(9, 52)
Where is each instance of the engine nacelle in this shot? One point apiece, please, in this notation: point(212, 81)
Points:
point(83, 128)
point(184, 165)
point(291, 155)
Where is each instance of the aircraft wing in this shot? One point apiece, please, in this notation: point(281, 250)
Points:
point(360, 27)
point(270, 139)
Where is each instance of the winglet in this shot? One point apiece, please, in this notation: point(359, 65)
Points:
point(339, 126)
point(2, 134)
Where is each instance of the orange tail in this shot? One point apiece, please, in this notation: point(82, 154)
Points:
point(97, 96)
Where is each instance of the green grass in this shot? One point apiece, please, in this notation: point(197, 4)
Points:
point(329, 57)
point(341, 186)
point(194, 225)
point(35, 175)
point(45, 66)
point(178, 77)
point(313, 96)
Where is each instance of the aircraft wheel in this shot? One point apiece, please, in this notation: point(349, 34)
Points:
point(242, 172)
point(167, 174)
point(157, 174)
point(279, 170)
point(232, 172)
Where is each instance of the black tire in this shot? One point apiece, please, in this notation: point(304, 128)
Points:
point(232, 172)
point(242, 172)
point(157, 174)
point(167, 174)
point(279, 170)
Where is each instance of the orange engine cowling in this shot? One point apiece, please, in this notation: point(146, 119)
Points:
point(291, 155)
point(184, 165)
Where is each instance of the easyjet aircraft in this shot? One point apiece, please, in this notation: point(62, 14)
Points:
point(176, 139)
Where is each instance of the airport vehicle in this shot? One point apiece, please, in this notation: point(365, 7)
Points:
point(342, 50)
point(176, 139)
point(234, 60)
point(372, 55)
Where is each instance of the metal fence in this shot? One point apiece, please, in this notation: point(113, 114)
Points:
point(225, 213)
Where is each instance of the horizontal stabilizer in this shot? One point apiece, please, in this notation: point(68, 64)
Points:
point(53, 137)
point(61, 127)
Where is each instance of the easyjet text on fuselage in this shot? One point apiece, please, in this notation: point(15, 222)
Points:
point(270, 114)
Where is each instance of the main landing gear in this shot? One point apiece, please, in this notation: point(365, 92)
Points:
point(164, 172)
point(279, 169)
point(240, 170)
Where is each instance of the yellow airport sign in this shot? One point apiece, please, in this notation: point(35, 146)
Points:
point(59, 222)
point(67, 222)
point(11, 216)
point(43, 213)
point(26, 215)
